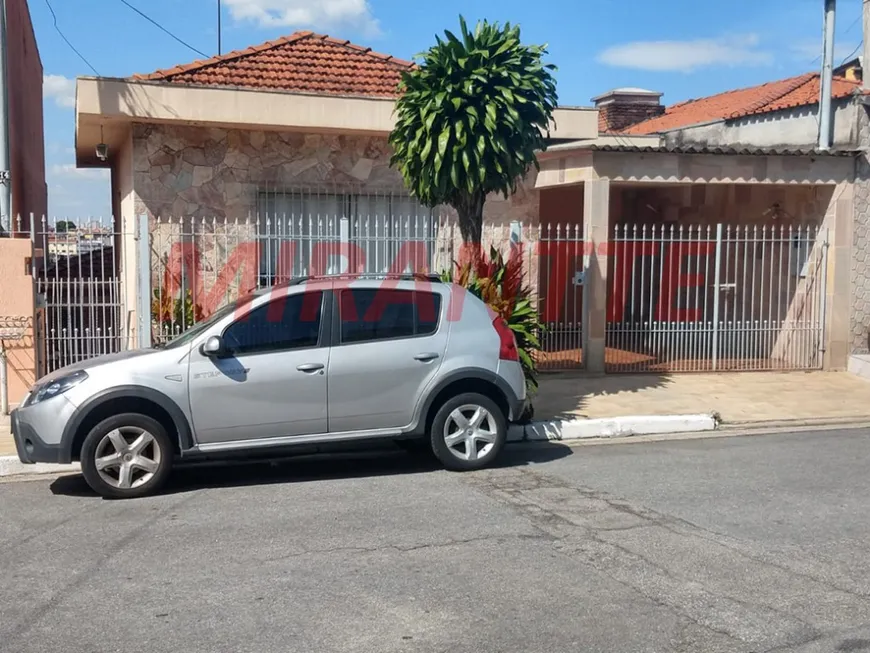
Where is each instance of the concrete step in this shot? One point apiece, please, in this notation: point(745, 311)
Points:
point(860, 365)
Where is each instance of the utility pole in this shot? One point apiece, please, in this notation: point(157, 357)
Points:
point(827, 76)
point(865, 83)
point(219, 26)
point(6, 224)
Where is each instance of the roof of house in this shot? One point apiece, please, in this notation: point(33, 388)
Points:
point(303, 62)
point(772, 96)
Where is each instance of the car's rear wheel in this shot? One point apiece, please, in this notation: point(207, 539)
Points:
point(468, 432)
point(126, 456)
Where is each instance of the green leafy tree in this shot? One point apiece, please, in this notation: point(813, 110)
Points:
point(471, 118)
point(64, 226)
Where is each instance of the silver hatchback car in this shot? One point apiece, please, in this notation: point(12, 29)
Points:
point(296, 366)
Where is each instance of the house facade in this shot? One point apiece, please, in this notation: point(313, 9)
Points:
point(778, 114)
point(645, 253)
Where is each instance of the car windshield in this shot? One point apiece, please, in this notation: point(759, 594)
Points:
point(193, 332)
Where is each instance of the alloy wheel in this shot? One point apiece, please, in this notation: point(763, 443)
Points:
point(127, 457)
point(470, 432)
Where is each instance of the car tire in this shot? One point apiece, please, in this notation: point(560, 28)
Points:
point(468, 432)
point(127, 456)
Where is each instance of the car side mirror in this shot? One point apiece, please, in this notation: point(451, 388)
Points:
point(213, 347)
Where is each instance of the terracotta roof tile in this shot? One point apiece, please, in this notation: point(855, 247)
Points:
point(303, 62)
point(773, 96)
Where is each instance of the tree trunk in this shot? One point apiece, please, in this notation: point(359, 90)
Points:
point(470, 210)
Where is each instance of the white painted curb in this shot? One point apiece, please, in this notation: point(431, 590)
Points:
point(610, 427)
point(11, 466)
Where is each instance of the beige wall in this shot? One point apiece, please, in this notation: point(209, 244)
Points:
point(16, 300)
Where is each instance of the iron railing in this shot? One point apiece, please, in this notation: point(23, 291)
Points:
point(716, 297)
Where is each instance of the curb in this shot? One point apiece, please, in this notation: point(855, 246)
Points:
point(11, 466)
point(857, 420)
point(610, 427)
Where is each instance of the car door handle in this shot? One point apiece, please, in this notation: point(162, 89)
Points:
point(309, 367)
point(426, 357)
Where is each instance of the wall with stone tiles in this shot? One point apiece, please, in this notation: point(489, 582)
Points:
point(207, 172)
point(205, 186)
point(860, 273)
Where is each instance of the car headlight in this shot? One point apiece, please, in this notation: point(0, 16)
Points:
point(56, 387)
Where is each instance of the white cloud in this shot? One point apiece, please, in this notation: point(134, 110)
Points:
point(687, 56)
point(69, 171)
point(75, 192)
point(319, 14)
point(61, 89)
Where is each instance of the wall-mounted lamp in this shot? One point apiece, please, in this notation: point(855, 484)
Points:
point(776, 212)
point(102, 150)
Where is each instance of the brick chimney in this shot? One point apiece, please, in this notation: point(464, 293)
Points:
point(623, 107)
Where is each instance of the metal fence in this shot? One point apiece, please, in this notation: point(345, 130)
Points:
point(680, 298)
point(197, 265)
point(557, 253)
point(77, 283)
point(723, 297)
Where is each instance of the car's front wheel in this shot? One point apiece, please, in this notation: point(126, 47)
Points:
point(126, 456)
point(468, 432)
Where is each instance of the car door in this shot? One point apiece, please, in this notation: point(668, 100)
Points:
point(272, 381)
point(388, 345)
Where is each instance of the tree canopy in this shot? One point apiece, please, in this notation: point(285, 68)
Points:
point(471, 117)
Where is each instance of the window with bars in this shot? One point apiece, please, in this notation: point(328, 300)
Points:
point(313, 233)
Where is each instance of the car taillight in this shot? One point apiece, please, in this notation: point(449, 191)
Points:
point(507, 350)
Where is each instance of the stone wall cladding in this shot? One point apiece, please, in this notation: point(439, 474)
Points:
point(220, 173)
point(205, 186)
point(205, 172)
point(860, 273)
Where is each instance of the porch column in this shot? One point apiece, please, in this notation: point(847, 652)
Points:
point(838, 295)
point(596, 234)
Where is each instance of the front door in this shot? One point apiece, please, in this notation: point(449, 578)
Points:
point(390, 345)
point(272, 382)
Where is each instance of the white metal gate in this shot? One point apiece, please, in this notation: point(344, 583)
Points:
point(76, 276)
point(716, 297)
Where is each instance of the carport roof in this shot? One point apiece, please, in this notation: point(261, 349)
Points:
point(732, 150)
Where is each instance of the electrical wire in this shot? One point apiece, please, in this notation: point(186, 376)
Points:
point(163, 29)
point(66, 40)
point(853, 53)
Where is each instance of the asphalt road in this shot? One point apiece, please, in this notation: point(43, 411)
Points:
point(731, 544)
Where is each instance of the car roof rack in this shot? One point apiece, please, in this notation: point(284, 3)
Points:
point(369, 276)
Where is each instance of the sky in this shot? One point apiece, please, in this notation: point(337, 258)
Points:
point(682, 48)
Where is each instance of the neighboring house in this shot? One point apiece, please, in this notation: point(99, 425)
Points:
point(783, 113)
point(26, 139)
point(779, 114)
point(28, 195)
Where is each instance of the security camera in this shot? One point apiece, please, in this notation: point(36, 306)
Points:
point(102, 152)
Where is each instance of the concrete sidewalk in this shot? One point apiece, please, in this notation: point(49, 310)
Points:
point(744, 398)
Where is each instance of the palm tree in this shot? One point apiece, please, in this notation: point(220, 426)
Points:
point(471, 118)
